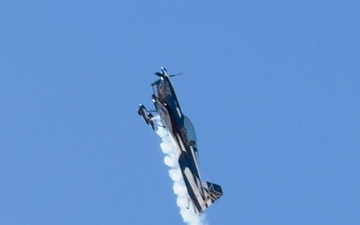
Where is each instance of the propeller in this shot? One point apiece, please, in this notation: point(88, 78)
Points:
point(161, 74)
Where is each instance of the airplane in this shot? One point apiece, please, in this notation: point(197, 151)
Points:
point(201, 193)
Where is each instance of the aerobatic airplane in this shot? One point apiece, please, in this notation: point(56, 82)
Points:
point(202, 193)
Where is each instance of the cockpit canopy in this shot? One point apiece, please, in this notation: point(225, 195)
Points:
point(190, 131)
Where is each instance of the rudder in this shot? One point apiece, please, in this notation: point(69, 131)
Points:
point(213, 193)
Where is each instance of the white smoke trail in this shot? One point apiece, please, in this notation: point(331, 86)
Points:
point(168, 146)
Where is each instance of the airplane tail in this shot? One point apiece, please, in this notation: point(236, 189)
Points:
point(213, 193)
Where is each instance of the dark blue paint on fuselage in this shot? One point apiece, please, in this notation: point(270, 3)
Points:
point(166, 97)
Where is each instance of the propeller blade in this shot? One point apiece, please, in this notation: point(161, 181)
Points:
point(174, 75)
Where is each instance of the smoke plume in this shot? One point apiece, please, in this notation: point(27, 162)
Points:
point(168, 146)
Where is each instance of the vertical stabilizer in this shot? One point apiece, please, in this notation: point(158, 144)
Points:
point(212, 193)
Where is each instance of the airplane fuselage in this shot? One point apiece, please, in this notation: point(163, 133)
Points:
point(171, 115)
point(201, 193)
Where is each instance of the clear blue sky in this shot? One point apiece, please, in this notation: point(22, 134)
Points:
point(272, 87)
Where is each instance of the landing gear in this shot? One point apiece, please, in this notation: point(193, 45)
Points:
point(148, 117)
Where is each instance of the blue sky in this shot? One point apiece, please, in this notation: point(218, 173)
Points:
point(272, 87)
